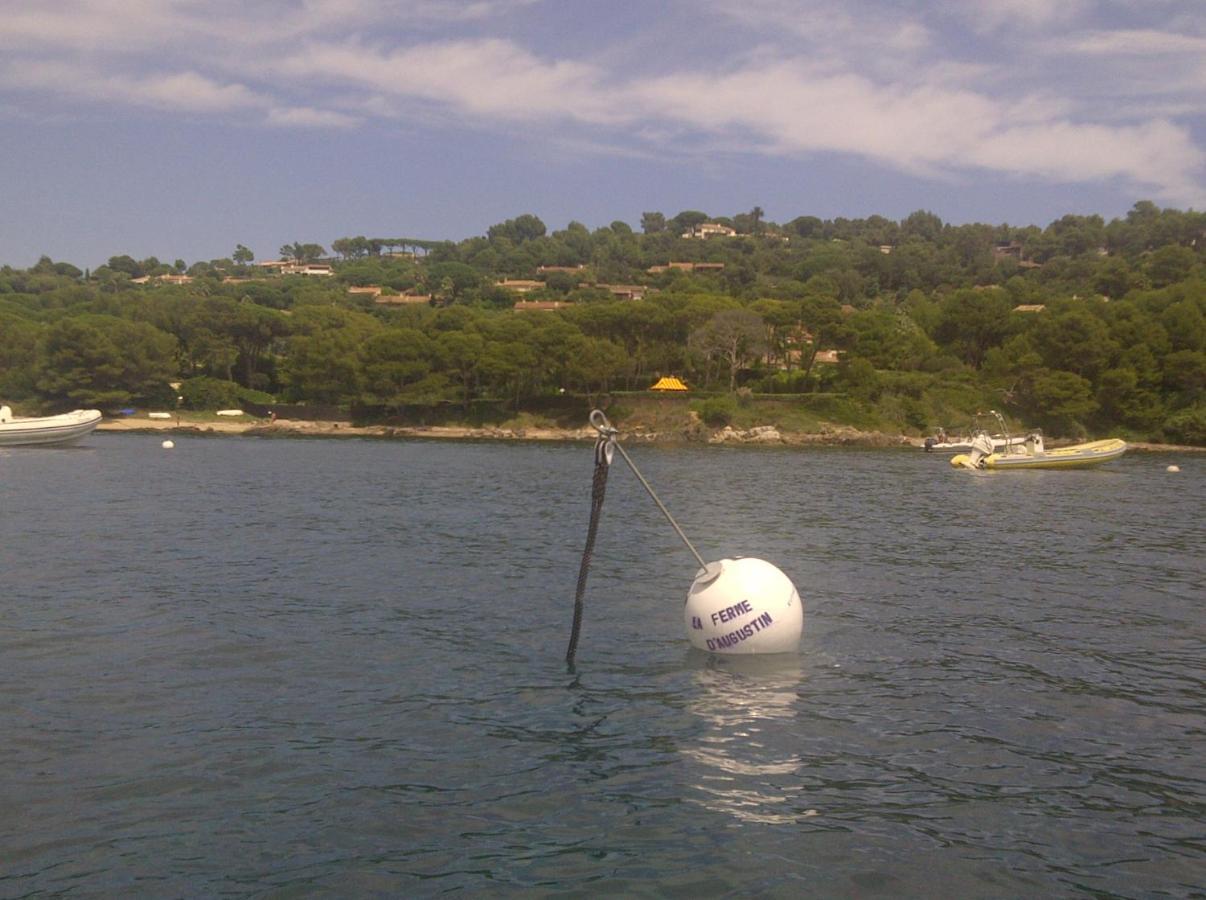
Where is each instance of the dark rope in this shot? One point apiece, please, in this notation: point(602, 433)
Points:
point(598, 488)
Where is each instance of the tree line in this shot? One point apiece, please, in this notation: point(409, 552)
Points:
point(1084, 326)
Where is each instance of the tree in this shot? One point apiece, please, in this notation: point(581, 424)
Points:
point(522, 228)
point(394, 361)
point(595, 362)
point(922, 224)
point(1185, 373)
point(1056, 399)
point(252, 329)
point(322, 363)
point(972, 321)
point(756, 215)
point(242, 255)
point(125, 264)
point(806, 226)
point(459, 353)
point(688, 219)
point(734, 336)
point(1073, 339)
point(858, 376)
point(653, 222)
point(1170, 264)
point(1123, 400)
point(302, 252)
point(507, 367)
point(99, 360)
point(215, 353)
point(19, 339)
point(450, 281)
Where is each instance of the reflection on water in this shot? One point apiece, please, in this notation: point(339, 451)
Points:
point(745, 768)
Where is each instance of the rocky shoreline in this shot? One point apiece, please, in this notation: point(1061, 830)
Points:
point(694, 433)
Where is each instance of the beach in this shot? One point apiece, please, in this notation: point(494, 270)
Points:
point(307, 428)
point(694, 432)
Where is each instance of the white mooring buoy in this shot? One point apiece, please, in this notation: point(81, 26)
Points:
point(1173, 469)
point(734, 606)
point(167, 445)
point(743, 605)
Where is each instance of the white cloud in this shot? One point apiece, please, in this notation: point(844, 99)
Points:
point(1156, 153)
point(989, 14)
point(309, 117)
point(490, 78)
point(872, 79)
point(926, 129)
point(1136, 42)
point(865, 38)
point(183, 91)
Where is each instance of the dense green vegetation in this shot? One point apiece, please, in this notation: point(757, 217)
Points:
point(924, 315)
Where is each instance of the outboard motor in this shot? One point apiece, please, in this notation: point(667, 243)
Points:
point(981, 448)
point(929, 445)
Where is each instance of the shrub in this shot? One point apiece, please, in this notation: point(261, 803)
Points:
point(209, 393)
point(716, 411)
point(1187, 427)
point(262, 398)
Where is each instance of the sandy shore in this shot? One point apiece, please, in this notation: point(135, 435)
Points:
point(296, 427)
point(834, 436)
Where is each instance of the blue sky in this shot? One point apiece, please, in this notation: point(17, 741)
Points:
point(178, 128)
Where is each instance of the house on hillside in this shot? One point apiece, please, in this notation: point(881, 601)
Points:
point(625, 291)
point(539, 305)
point(706, 230)
point(293, 267)
point(402, 299)
point(520, 285)
point(163, 279)
point(324, 270)
point(686, 267)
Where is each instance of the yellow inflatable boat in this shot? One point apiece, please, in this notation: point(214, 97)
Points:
point(1031, 454)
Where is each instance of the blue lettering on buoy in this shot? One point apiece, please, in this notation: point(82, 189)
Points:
point(696, 623)
point(729, 613)
point(744, 632)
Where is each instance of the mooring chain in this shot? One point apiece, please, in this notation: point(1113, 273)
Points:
point(604, 449)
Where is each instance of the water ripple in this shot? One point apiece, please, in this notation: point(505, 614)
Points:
point(335, 668)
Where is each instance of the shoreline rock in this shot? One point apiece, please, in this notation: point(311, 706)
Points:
point(694, 433)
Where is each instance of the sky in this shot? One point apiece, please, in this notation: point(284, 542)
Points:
point(180, 128)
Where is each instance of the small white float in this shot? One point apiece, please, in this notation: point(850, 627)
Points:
point(231, 412)
point(159, 415)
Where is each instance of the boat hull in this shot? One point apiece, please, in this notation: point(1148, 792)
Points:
point(1077, 456)
point(49, 430)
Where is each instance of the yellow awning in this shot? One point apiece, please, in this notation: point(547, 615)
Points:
point(669, 384)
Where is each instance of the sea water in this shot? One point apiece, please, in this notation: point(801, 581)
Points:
point(336, 668)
